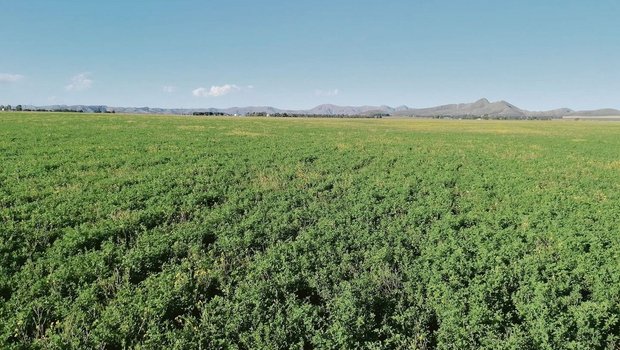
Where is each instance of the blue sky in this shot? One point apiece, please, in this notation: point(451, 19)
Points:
point(297, 54)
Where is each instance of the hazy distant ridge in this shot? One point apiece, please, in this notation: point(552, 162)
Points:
point(482, 107)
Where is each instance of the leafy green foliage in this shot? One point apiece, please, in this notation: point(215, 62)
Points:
point(183, 232)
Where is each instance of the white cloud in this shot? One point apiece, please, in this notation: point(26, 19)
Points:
point(169, 89)
point(10, 78)
point(215, 91)
point(80, 82)
point(332, 92)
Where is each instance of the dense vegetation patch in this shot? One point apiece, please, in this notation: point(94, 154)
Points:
point(169, 232)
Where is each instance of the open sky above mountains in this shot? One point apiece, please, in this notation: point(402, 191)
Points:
point(296, 55)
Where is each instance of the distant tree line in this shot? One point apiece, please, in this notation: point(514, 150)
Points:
point(296, 115)
point(484, 117)
point(10, 108)
point(209, 113)
point(19, 108)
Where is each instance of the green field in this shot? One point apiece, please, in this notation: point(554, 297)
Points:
point(248, 233)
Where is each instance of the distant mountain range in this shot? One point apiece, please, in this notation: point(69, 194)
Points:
point(481, 108)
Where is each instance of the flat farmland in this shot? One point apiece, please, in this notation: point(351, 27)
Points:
point(125, 231)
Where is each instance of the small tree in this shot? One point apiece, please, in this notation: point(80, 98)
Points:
point(8, 107)
point(18, 108)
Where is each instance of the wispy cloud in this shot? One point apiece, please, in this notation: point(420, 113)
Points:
point(10, 78)
point(80, 82)
point(332, 92)
point(215, 91)
point(169, 88)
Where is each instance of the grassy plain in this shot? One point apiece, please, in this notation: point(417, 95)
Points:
point(186, 232)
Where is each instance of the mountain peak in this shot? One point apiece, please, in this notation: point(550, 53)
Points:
point(482, 101)
point(508, 104)
point(330, 105)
